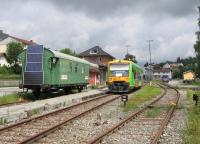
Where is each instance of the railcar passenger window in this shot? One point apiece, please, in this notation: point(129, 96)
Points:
point(83, 70)
point(70, 66)
point(76, 68)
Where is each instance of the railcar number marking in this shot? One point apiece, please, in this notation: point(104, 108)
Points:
point(64, 77)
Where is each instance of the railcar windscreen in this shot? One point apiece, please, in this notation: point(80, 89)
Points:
point(119, 70)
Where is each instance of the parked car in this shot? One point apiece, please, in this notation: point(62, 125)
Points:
point(165, 78)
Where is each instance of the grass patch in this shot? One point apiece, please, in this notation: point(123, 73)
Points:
point(145, 94)
point(197, 83)
point(11, 98)
point(9, 77)
point(9, 83)
point(153, 112)
point(192, 134)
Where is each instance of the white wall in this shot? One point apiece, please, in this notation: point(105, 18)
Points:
point(166, 66)
point(7, 40)
point(161, 74)
point(3, 47)
point(3, 61)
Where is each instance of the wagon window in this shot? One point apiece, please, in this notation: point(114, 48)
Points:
point(70, 66)
point(83, 70)
point(76, 68)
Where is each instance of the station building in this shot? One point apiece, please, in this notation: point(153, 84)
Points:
point(99, 57)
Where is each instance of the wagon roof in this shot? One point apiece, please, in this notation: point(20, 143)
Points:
point(68, 57)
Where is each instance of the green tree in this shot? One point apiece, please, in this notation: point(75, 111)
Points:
point(12, 52)
point(68, 51)
point(178, 60)
point(130, 57)
point(146, 64)
point(197, 52)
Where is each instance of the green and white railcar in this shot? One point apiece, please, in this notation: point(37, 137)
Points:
point(44, 69)
point(124, 76)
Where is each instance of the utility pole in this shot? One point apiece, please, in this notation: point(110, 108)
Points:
point(127, 46)
point(149, 41)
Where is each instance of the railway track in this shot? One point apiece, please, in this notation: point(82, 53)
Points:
point(139, 127)
point(32, 129)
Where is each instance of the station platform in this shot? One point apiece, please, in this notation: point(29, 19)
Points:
point(15, 113)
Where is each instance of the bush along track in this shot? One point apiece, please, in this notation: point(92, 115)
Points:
point(192, 134)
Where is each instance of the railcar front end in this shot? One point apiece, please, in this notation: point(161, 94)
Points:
point(119, 76)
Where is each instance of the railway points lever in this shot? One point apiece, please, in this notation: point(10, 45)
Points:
point(124, 99)
point(196, 98)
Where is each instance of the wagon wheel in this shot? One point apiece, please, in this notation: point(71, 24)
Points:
point(80, 89)
point(36, 93)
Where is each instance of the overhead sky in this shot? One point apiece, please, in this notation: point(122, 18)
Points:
point(115, 25)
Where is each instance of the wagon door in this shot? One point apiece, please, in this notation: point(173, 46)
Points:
point(33, 74)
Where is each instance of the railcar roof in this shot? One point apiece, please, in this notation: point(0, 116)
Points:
point(118, 61)
point(68, 57)
point(127, 61)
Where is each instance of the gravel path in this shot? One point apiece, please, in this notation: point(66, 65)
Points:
point(84, 128)
point(35, 126)
point(88, 126)
point(174, 131)
point(142, 129)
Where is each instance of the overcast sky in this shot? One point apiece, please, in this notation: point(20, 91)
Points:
point(111, 24)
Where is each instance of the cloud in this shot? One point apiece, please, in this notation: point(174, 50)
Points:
point(112, 24)
point(108, 8)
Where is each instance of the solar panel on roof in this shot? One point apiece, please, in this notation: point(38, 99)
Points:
point(35, 49)
point(34, 57)
point(33, 74)
point(33, 78)
point(34, 67)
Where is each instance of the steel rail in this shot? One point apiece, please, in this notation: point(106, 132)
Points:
point(50, 113)
point(123, 122)
point(166, 119)
point(47, 131)
point(50, 130)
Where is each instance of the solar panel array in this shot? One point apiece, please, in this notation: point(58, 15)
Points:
point(33, 74)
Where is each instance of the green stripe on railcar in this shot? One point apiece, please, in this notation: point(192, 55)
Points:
point(131, 77)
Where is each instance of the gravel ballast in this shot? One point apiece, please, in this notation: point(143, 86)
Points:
point(174, 131)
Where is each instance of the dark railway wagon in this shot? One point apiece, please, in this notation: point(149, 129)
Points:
point(44, 69)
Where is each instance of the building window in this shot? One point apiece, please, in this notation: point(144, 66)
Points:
point(93, 51)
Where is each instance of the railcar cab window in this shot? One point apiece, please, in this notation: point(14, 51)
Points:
point(119, 70)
